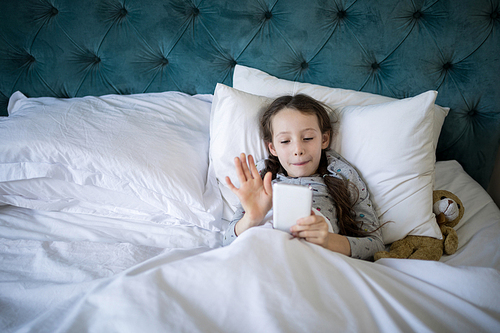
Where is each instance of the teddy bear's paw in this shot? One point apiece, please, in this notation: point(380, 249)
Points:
point(426, 254)
point(381, 254)
point(451, 244)
point(385, 254)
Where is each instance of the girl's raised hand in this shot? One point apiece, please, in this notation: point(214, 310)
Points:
point(255, 193)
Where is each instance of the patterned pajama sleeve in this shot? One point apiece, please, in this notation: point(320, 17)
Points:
point(229, 234)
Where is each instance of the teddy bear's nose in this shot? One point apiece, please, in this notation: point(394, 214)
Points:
point(450, 202)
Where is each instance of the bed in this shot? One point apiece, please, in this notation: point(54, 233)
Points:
point(120, 120)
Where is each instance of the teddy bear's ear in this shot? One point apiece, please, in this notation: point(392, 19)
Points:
point(447, 194)
point(437, 195)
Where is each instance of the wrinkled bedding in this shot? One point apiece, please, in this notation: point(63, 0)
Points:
point(63, 272)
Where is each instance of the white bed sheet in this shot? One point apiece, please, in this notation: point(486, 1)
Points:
point(68, 273)
point(266, 282)
point(49, 257)
point(21, 223)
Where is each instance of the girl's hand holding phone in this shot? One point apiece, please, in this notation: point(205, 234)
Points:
point(254, 193)
point(313, 229)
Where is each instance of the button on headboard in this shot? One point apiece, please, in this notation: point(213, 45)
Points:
point(397, 48)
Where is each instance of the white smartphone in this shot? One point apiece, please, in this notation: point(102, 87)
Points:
point(290, 203)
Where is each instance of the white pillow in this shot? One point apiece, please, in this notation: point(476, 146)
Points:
point(234, 129)
point(390, 144)
point(260, 83)
point(144, 156)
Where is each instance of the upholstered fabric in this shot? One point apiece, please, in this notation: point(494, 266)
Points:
point(397, 48)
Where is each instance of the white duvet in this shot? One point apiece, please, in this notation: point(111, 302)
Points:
point(133, 277)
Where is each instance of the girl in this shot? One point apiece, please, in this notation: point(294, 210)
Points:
point(297, 132)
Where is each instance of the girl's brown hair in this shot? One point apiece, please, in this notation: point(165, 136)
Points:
point(343, 194)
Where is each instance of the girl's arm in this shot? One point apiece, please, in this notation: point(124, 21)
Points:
point(339, 243)
point(254, 193)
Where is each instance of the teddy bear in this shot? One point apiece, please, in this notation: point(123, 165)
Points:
point(449, 210)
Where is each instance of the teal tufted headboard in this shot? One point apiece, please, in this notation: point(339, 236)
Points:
point(398, 48)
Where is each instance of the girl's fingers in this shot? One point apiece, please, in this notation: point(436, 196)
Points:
point(306, 234)
point(312, 223)
point(268, 186)
point(230, 184)
point(253, 167)
point(309, 220)
point(311, 235)
point(239, 170)
point(244, 166)
point(245, 171)
point(301, 228)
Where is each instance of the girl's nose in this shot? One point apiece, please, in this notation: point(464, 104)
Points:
point(299, 150)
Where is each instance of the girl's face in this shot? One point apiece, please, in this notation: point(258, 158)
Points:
point(297, 142)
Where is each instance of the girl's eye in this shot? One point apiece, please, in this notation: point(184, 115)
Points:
point(285, 141)
point(307, 139)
